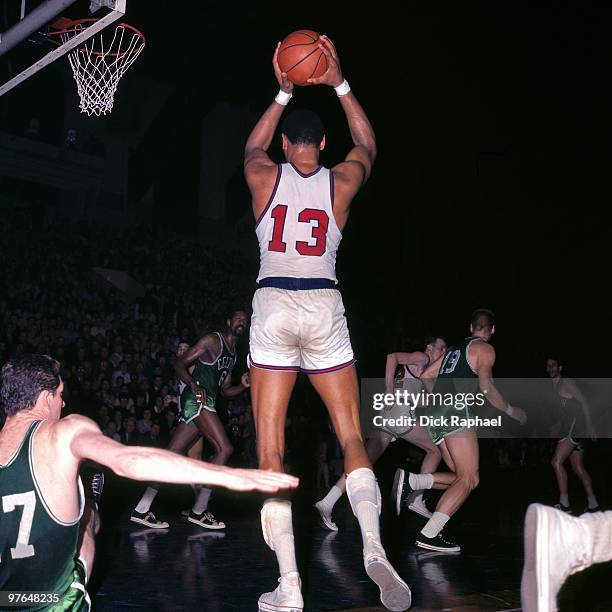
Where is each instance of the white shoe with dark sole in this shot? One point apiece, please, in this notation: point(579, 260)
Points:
point(148, 519)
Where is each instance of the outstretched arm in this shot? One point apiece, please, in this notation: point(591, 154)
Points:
point(152, 464)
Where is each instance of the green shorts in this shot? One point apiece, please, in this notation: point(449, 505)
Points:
point(191, 408)
point(443, 427)
point(75, 599)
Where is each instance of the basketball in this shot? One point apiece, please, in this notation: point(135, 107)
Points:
point(300, 57)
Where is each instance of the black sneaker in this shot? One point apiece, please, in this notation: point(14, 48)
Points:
point(93, 486)
point(566, 509)
point(206, 520)
point(438, 543)
point(401, 490)
point(148, 519)
point(595, 509)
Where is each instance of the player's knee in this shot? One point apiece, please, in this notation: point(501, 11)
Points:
point(578, 470)
point(556, 464)
point(470, 480)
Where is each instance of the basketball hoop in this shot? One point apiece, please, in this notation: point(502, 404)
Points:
point(100, 61)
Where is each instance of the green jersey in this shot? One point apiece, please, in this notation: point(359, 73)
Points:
point(210, 376)
point(456, 376)
point(456, 363)
point(37, 550)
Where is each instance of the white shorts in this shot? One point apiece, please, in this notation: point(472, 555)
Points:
point(300, 331)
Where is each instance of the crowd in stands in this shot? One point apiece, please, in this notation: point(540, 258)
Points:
point(117, 352)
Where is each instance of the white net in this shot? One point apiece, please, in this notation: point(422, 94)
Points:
point(100, 62)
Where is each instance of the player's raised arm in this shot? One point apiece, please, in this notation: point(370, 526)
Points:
point(255, 152)
point(152, 464)
point(359, 161)
point(356, 168)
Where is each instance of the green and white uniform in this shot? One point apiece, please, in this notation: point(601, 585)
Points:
point(37, 550)
point(209, 376)
point(456, 375)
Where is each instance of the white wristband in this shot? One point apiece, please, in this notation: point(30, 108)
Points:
point(282, 97)
point(509, 411)
point(343, 88)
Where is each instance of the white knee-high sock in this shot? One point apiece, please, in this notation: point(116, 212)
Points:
point(364, 496)
point(277, 527)
point(144, 505)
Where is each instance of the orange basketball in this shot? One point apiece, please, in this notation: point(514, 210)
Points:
point(301, 58)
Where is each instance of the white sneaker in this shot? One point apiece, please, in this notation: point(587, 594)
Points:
point(326, 517)
point(287, 597)
point(394, 592)
point(418, 506)
point(556, 546)
point(148, 519)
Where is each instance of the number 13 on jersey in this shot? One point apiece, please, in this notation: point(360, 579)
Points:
point(308, 215)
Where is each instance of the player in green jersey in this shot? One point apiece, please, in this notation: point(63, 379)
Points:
point(212, 357)
point(466, 368)
point(41, 496)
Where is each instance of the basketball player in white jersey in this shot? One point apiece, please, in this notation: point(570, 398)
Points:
point(412, 366)
point(298, 322)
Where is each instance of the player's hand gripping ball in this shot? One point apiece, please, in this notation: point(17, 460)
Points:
point(301, 58)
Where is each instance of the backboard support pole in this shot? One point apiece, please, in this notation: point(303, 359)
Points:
point(44, 14)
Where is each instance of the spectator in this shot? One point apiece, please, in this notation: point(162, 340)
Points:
point(144, 424)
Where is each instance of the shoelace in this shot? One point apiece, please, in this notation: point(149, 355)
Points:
point(97, 483)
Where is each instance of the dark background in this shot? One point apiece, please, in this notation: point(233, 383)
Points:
point(491, 182)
